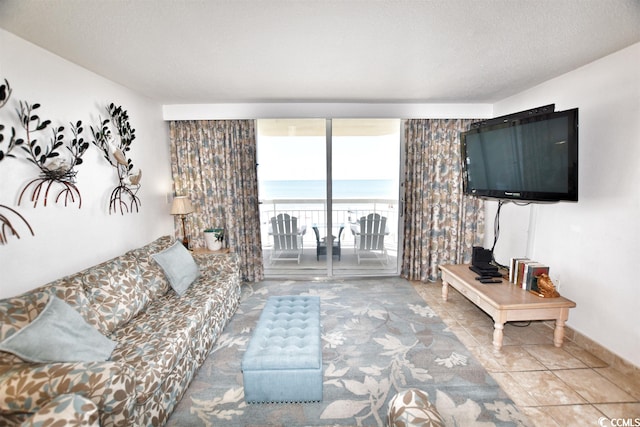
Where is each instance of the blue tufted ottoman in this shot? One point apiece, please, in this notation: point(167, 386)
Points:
point(283, 361)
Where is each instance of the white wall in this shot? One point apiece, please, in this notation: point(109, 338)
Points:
point(68, 239)
point(592, 246)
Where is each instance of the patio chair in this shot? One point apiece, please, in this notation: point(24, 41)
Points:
point(287, 241)
point(321, 244)
point(370, 239)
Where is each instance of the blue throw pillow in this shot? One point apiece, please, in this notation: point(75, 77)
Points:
point(178, 265)
point(59, 334)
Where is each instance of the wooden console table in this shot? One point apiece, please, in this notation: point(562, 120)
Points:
point(505, 302)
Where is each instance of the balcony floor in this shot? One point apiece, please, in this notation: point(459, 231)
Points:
point(346, 266)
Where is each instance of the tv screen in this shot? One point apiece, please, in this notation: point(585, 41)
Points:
point(532, 158)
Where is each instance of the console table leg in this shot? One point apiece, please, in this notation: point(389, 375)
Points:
point(445, 290)
point(498, 334)
point(558, 333)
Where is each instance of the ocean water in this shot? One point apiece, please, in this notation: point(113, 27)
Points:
point(316, 189)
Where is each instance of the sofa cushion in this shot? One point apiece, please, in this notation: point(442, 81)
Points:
point(18, 312)
point(110, 385)
point(156, 341)
point(179, 266)
point(66, 409)
point(59, 334)
point(171, 328)
point(71, 290)
point(160, 244)
point(153, 277)
point(116, 291)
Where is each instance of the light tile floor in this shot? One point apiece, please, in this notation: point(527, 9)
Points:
point(562, 387)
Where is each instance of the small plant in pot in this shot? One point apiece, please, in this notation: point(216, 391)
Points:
point(213, 237)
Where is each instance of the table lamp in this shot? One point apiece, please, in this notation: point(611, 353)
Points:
point(182, 206)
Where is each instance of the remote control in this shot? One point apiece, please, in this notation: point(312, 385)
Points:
point(490, 281)
point(484, 277)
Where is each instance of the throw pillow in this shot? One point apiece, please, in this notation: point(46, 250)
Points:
point(179, 267)
point(411, 408)
point(59, 334)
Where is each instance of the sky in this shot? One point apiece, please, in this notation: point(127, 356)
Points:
point(303, 157)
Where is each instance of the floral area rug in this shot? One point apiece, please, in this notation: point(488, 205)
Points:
point(379, 337)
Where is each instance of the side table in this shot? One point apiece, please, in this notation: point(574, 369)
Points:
point(208, 251)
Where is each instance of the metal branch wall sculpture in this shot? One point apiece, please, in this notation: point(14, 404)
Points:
point(7, 226)
point(58, 158)
point(54, 169)
point(5, 94)
point(115, 150)
point(7, 229)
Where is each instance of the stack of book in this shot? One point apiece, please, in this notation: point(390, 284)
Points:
point(524, 273)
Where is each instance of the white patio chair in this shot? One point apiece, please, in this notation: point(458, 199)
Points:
point(370, 239)
point(287, 240)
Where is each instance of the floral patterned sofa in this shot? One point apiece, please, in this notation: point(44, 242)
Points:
point(161, 338)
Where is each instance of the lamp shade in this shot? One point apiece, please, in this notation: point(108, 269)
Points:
point(181, 206)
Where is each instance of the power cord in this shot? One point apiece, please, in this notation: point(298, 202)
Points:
point(496, 233)
point(520, 325)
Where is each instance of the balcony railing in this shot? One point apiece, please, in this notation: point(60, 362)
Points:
point(312, 212)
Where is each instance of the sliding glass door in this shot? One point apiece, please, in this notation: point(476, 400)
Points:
point(318, 179)
point(365, 159)
point(292, 188)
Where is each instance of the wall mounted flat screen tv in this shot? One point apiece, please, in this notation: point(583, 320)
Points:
point(528, 158)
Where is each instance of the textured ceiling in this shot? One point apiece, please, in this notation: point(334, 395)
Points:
point(217, 51)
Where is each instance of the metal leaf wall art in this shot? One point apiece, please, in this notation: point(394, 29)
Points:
point(115, 147)
point(58, 157)
point(7, 228)
point(57, 172)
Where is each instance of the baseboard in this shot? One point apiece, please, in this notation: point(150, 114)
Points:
point(602, 353)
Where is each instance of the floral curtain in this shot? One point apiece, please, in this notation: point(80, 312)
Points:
point(441, 224)
point(214, 163)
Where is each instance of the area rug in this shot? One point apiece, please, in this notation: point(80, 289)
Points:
point(379, 337)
